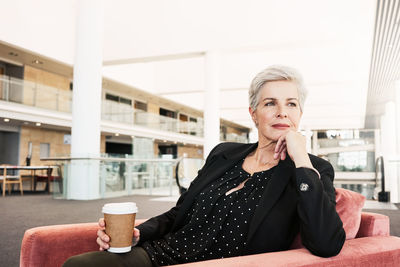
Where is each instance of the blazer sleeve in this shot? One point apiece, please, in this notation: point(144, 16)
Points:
point(158, 226)
point(321, 228)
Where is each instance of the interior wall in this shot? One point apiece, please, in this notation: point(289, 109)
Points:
point(9, 148)
point(39, 135)
point(46, 78)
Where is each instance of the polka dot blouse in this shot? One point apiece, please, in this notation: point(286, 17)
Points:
point(218, 222)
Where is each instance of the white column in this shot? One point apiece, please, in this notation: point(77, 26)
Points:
point(211, 102)
point(388, 150)
point(86, 106)
point(308, 135)
point(397, 107)
point(396, 162)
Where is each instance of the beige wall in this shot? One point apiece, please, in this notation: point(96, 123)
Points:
point(191, 151)
point(37, 93)
point(156, 150)
point(46, 78)
point(37, 136)
point(233, 130)
point(153, 108)
point(102, 144)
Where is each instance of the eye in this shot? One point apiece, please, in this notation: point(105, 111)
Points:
point(271, 103)
point(292, 104)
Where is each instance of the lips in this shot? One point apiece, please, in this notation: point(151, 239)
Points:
point(281, 126)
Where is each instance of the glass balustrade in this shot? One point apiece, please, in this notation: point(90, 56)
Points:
point(131, 176)
point(34, 94)
point(233, 137)
point(47, 97)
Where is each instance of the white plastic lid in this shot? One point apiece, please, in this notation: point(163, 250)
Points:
point(119, 250)
point(120, 208)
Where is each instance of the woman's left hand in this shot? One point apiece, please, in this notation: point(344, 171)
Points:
point(295, 145)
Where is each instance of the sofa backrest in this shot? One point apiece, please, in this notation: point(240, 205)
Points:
point(348, 206)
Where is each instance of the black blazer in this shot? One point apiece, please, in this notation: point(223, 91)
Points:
point(284, 209)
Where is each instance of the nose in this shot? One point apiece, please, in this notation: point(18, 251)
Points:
point(281, 112)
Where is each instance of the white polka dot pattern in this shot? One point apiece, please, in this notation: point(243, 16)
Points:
point(217, 224)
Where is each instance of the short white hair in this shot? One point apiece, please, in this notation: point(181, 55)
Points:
point(276, 73)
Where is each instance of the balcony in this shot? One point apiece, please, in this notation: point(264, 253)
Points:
point(124, 113)
point(34, 94)
point(29, 93)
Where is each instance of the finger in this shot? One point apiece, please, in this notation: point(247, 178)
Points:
point(279, 143)
point(281, 148)
point(283, 154)
point(103, 236)
point(136, 232)
point(102, 244)
point(102, 223)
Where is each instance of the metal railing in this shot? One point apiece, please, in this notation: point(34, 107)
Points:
point(383, 196)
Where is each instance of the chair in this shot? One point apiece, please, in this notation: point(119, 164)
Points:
point(8, 180)
point(47, 178)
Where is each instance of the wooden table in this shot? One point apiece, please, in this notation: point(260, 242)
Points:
point(33, 169)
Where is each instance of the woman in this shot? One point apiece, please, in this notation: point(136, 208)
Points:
point(248, 198)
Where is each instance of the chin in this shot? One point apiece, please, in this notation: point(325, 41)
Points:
point(269, 137)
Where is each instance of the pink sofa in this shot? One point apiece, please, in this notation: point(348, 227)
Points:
point(368, 243)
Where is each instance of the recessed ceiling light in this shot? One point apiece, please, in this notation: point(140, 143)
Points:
point(36, 61)
point(6, 120)
point(38, 124)
point(25, 122)
point(165, 141)
point(132, 136)
point(117, 134)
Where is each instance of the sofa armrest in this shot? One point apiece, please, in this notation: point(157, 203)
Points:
point(374, 251)
point(50, 246)
point(373, 224)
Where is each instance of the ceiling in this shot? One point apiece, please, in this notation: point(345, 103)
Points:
point(385, 62)
point(159, 46)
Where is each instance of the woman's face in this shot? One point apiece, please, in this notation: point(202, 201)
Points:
point(278, 110)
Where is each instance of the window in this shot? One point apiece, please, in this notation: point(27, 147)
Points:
point(125, 101)
point(140, 105)
point(183, 117)
point(119, 99)
point(112, 97)
point(167, 113)
point(44, 150)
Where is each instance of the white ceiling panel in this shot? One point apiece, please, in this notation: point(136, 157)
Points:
point(160, 44)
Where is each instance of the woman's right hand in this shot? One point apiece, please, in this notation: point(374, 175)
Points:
point(103, 239)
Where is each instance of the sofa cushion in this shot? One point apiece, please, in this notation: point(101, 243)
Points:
point(348, 206)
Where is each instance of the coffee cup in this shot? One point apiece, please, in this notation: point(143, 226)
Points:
point(120, 222)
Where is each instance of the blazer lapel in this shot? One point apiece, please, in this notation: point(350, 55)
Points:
point(221, 164)
point(280, 178)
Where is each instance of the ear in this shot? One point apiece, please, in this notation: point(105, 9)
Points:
point(253, 115)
